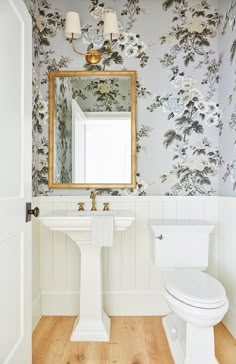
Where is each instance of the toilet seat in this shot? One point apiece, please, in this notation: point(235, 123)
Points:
point(196, 289)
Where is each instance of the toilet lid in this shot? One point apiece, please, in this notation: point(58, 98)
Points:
point(196, 288)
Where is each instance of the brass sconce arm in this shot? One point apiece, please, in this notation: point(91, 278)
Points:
point(73, 45)
point(92, 56)
point(110, 32)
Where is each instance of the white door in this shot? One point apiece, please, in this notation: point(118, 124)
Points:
point(15, 182)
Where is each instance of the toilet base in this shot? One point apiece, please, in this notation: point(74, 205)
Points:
point(189, 344)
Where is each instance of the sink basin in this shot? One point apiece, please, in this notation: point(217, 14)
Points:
point(92, 324)
point(82, 221)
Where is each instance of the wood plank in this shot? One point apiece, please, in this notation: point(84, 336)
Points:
point(134, 340)
point(156, 276)
point(170, 211)
point(211, 218)
point(197, 211)
point(46, 250)
point(225, 345)
point(142, 252)
point(72, 265)
point(59, 260)
point(114, 266)
point(128, 251)
point(183, 211)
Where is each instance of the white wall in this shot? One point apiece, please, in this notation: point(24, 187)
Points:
point(131, 285)
point(227, 256)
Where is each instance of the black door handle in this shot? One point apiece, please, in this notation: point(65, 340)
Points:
point(35, 212)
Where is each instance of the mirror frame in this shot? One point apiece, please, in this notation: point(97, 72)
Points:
point(51, 76)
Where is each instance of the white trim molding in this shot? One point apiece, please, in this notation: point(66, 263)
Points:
point(36, 311)
point(116, 303)
point(230, 321)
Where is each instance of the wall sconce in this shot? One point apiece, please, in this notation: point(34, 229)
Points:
point(110, 32)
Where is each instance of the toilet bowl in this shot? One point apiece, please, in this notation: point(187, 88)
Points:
point(196, 297)
point(197, 301)
point(200, 301)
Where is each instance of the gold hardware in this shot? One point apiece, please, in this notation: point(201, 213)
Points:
point(93, 56)
point(53, 75)
point(93, 197)
point(81, 206)
point(106, 206)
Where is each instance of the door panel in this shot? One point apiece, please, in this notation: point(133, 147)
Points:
point(12, 251)
point(15, 182)
point(12, 109)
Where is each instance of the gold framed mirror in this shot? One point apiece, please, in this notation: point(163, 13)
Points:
point(92, 129)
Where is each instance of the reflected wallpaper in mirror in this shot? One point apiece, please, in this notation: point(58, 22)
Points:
point(93, 129)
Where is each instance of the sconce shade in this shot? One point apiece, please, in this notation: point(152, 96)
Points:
point(72, 25)
point(111, 25)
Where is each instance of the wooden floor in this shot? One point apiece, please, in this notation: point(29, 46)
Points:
point(134, 340)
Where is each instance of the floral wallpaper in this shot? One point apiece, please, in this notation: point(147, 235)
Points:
point(103, 95)
point(63, 130)
point(181, 50)
point(227, 92)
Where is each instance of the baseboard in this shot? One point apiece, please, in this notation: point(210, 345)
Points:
point(36, 311)
point(230, 321)
point(135, 303)
point(116, 303)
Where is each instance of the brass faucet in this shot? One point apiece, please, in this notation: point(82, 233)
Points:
point(106, 206)
point(93, 197)
point(81, 206)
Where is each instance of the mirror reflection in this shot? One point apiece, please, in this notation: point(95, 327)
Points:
point(92, 129)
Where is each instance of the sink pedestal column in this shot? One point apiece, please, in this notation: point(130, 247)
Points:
point(92, 324)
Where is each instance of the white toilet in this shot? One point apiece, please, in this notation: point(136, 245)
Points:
point(197, 300)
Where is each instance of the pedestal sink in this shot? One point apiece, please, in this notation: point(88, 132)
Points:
point(92, 324)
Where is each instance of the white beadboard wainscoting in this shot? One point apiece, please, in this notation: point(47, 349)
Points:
point(227, 256)
point(131, 285)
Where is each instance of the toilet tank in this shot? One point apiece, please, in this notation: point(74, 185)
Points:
point(180, 246)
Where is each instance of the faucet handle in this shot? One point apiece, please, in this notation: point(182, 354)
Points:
point(81, 206)
point(93, 194)
point(106, 206)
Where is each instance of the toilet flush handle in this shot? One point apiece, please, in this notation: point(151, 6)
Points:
point(160, 237)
